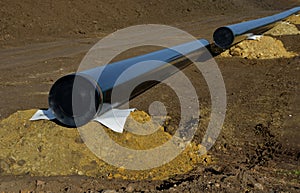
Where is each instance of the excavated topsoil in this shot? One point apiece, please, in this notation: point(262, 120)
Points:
point(287, 27)
point(264, 47)
point(257, 150)
point(29, 148)
point(284, 28)
point(294, 19)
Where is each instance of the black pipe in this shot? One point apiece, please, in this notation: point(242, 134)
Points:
point(77, 105)
point(224, 37)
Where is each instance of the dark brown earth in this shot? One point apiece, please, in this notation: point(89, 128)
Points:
point(258, 149)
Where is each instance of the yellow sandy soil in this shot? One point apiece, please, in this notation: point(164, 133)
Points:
point(283, 28)
point(263, 48)
point(43, 148)
point(294, 19)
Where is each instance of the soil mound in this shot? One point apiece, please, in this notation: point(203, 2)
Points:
point(284, 28)
point(43, 148)
point(264, 47)
point(294, 19)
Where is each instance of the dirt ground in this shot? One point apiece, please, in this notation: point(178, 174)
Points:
point(258, 149)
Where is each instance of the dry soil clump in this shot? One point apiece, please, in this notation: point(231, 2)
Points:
point(264, 47)
point(284, 28)
point(43, 148)
point(294, 19)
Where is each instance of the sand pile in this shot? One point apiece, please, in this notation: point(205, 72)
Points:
point(283, 28)
point(294, 19)
point(262, 48)
point(288, 27)
point(43, 148)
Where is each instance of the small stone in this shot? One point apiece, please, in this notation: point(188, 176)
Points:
point(117, 176)
point(109, 176)
point(109, 191)
point(40, 183)
point(21, 162)
point(121, 169)
point(259, 186)
point(129, 188)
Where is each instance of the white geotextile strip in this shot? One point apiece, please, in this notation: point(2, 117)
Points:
point(114, 119)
